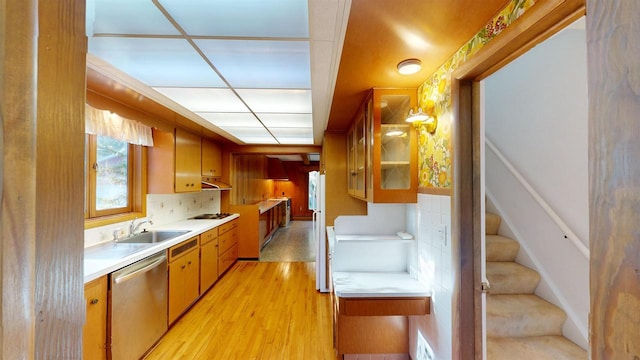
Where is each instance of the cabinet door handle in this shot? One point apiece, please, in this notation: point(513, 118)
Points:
point(189, 263)
point(183, 266)
point(94, 301)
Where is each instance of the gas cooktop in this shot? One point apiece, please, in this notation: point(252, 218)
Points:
point(215, 216)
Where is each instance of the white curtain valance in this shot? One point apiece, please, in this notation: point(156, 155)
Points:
point(106, 123)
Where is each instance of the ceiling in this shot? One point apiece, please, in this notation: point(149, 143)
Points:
point(273, 71)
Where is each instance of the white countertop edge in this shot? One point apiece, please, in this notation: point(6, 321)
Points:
point(377, 285)
point(269, 204)
point(95, 267)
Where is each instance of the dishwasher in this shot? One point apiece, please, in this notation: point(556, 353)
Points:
point(138, 307)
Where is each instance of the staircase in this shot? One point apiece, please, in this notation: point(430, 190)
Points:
point(520, 325)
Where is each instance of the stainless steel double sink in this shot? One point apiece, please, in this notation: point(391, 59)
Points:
point(152, 236)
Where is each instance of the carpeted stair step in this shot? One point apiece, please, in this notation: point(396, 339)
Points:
point(511, 278)
point(492, 223)
point(537, 347)
point(522, 315)
point(500, 248)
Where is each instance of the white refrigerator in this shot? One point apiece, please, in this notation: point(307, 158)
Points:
point(319, 233)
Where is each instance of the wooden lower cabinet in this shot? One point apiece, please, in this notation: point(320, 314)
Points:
point(374, 325)
point(184, 277)
point(208, 259)
point(228, 245)
point(94, 331)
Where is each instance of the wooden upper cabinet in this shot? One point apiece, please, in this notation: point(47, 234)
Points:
point(394, 147)
point(383, 149)
point(188, 161)
point(356, 160)
point(211, 159)
point(174, 162)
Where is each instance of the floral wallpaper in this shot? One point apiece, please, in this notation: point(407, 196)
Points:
point(434, 96)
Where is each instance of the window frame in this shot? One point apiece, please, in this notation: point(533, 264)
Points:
point(137, 187)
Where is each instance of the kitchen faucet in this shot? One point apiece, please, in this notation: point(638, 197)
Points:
point(133, 227)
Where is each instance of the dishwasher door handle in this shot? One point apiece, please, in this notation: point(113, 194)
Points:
point(144, 266)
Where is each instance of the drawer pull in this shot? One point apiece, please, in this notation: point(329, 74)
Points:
point(94, 301)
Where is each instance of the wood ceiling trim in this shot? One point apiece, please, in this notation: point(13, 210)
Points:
point(382, 33)
point(543, 20)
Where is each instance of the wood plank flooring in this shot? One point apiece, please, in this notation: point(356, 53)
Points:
point(258, 310)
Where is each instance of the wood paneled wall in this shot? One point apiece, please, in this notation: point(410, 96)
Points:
point(42, 52)
point(297, 188)
point(249, 186)
point(613, 34)
point(333, 163)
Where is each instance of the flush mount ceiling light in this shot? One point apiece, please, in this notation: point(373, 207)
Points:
point(409, 66)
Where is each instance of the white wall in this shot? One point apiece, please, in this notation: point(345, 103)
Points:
point(428, 218)
point(536, 115)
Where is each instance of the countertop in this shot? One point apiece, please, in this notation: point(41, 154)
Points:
point(267, 205)
point(105, 258)
point(377, 285)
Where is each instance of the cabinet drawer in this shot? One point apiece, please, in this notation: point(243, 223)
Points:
point(177, 251)
point(227, 240)
point(228, 226)
point(207, 236)
point(227, 258)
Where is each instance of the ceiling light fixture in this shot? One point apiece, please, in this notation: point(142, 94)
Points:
point(409, 66)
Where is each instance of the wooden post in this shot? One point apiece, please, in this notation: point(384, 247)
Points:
point(42, 57)
point(613, 34)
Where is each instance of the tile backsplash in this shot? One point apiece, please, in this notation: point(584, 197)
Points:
point(162, 209)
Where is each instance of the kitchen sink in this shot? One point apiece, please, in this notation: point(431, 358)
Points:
point(153, 236)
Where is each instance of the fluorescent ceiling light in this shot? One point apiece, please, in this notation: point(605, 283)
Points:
point(222, 120)
point(241, 18)
point(286, 120)
point(277, 100)
point(204, 99)
point(292, 132)
point(260, 63)
point(157, 62)
point(124, 17)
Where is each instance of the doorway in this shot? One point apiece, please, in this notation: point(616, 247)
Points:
point(536, 175)
point(536, 25)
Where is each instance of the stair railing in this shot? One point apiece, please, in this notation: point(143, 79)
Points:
point(568, 233)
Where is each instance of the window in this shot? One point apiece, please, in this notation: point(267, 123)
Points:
point(113, 182)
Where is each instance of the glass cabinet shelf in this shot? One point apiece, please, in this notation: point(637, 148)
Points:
point(382, 148)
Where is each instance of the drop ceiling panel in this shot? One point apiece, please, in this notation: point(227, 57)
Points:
point(291, 132)
point(260, 63)
point(223, 120)
point(244, 18)
point(277, 100)
point(293, 135)
point(156, 62)
point(204, 99)
point(251, 135)
point(286, 120)
point(127, 17)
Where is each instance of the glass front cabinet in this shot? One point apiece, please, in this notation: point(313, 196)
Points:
point(388, 172)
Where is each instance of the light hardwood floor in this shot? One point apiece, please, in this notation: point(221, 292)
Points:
point(258, 310)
